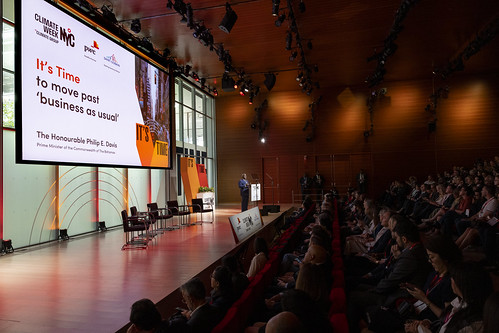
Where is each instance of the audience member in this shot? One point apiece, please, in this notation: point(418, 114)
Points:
point(239, 280)
point(200, 317)
point(222, 293)
point(472, 285)
point(491, 314)
point(260, 258)
point(145, 318)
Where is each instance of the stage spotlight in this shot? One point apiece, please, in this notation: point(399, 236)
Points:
point(293, 56)
point(262, 139)
point(275, 7)
point(289, 40)
point(229, 19)
point(215, 92)
point(203, 83)
point(190, 20)
point(250, 100)
point(135, 26)
point(301, 7)
point(102, 226)
point(238, 83)
point(107, 12)
point(228, 83)
point(280, 20)
point(187, 70)
point(269, 81)
point(195, 76)
point(166, 52)
point(299, 76)
point(63, 234)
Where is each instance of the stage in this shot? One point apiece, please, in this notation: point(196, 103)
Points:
point(87, 284)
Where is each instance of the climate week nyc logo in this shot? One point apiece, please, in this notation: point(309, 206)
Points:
point(52, 31)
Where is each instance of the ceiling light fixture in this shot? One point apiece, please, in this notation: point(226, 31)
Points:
point(229, 19)
point(135, 26)
point(280, 20)
point(275, 7)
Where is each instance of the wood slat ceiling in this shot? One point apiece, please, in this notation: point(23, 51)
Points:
point(343, 32)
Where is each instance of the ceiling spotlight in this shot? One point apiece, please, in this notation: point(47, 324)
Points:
point(195, 76)
point(269, 81)
point(238, 83)
point(301, 7)
point(188, 13)
point(280, 20)
point(275, 7)
point(203, 83)
point(262, 140)
point(293, 56)
point(187, 70)
point(135, 26)
point(215, 92)
point(289, 40)
point(250, 101)
point(299, 76)
point(107, 12)
point(253, 125)
point(229, 19)
point(166, 52)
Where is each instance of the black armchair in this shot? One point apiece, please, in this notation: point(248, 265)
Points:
point(182, 212)
point(198, 206)
point(160, 214)
point(132, 226)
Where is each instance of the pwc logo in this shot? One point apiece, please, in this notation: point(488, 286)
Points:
point(92, 49)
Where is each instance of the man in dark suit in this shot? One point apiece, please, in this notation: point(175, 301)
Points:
point(244, 186)
point(201, 316)
point(411, 265)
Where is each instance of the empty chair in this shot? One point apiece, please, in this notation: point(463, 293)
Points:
point(160, 214)
point(136, 217)
point(181, 212)
point(132, 227)
point(199, 207)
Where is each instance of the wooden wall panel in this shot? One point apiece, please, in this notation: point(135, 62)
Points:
point(399, 146)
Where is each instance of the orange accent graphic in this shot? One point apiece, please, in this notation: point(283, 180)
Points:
point(96, 45)
point(190, 178)
point(150, 155)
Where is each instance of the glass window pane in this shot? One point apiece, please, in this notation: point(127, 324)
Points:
point(199, 103)
point(8, 99)
point(209, 104)
point(8, 47)
point(178, 122)
point(187, 125)
point(200, 133)
point(187, 97)
point(177, 91)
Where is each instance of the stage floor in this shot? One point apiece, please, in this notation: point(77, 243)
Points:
point(87, 284)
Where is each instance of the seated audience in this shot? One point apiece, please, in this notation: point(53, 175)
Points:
point(260, 258)
point(472, 285)
point(145, 317)
point(239, 280)
point(411, 266)
point(428, 302)
point(491, 313)
point(222, 293)
point(200, 317)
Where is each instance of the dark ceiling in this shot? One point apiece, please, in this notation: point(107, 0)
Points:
point(344, 33)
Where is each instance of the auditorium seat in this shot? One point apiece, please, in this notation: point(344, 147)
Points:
point(339, 323)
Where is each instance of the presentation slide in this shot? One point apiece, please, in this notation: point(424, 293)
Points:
point(84, 98)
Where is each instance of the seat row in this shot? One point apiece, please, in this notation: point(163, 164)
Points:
point(140, 227)
point(238, 314)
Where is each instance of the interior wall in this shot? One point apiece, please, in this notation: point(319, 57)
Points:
point(41, 199)
point(399, 145)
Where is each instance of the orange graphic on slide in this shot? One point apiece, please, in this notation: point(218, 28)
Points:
point(150, 155)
